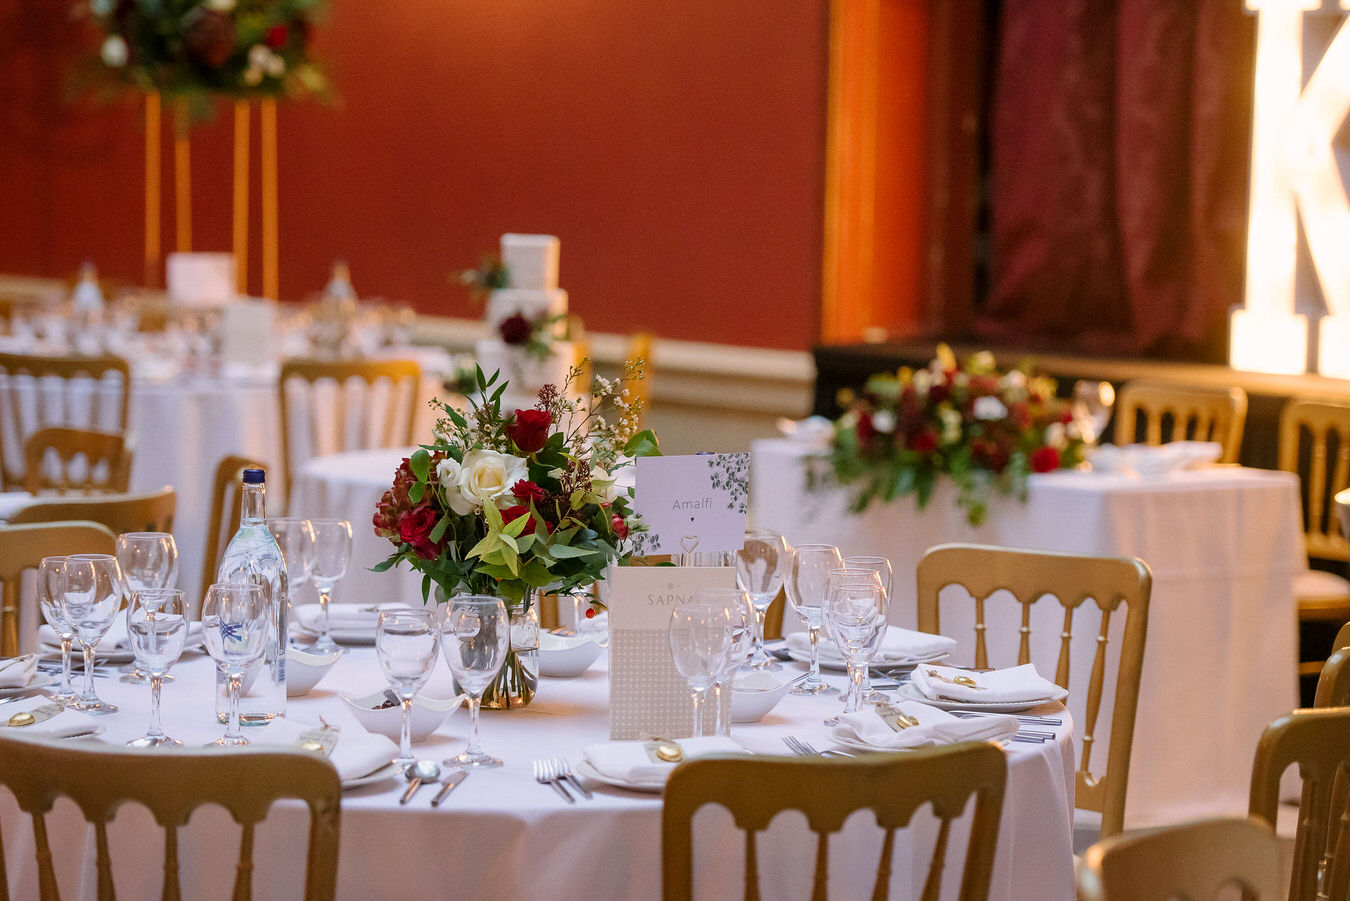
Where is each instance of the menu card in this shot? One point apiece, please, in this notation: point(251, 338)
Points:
point(648, 698)
point(248, 334)
point(200, 279)
point(691, 502)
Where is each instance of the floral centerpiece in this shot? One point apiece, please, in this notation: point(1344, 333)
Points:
point(984, 429)
point(513, 503)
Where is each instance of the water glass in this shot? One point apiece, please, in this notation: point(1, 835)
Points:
point(700, 645)
point(855, 617)
point(234, 627)
point(49, 575)
point(405, 644)
point(148, 560)
point(332, 551)
point(91, 595)
point(737, 602)
point(295, 538)
point(882, 567)
point(1091, 409)
point(809, 566)
point(157, 627)
point(759, 572)
point(475, 635)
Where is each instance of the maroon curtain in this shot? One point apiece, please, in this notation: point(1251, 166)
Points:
point(1119, 149)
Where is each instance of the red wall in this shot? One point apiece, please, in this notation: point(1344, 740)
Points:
point(676, 148)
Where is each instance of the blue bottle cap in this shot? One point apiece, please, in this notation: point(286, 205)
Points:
point(255, 477)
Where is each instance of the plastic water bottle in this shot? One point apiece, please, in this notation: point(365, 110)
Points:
point(253, 556)
point(87, 301)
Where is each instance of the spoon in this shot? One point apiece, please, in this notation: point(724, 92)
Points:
point(418, 772)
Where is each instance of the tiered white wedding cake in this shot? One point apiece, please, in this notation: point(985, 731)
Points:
point(527, 321)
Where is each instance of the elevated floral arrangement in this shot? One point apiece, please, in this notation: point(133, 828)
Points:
point(506, 503)
point(984, 429)
point(247, 49)
point(533, 336)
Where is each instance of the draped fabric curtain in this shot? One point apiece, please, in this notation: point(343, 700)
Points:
point(1119, 164)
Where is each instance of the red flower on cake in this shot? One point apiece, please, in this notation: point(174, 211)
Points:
point(516, 330)
point(529, 429)
point(1045, 459)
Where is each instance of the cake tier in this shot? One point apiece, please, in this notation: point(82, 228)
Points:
point(525, 374)
point(531, 261)
point(507, 302)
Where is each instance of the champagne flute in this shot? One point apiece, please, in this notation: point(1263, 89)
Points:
point(737, 602)
point(91, 594)
point(234, 627)
point(148, 560)
point(855, 615)
point(808, 568)
point(332, 551)
point(475, 634)
point(759, 572)
point(882, 567)
point(1091, 408)
point(49, 575)
point(405, 644)
point(157, 627)
point(700, 645)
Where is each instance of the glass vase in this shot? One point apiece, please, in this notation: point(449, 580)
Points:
point(518, 680)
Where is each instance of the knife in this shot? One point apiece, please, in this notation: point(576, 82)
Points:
point(448, 785)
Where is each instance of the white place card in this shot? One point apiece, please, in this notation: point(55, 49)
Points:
point(248, 334)
point(200, 279)
point(648, 698)
point(694, 501)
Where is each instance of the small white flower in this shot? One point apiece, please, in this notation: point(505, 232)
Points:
point(486, 475)
point(989, 408)
point(114, 51)
point(1015, 378)
point(1056, 436)
point(253, 76)
point(951, 425)
point(1072, 431)
point(448, 473)
point(257, 56)
point(220, 6)
point(276, 66)
point(923, 380)
point(604, 485)
point(884, 421)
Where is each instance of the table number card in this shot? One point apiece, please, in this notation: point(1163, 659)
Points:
point(691, 501)
point(648, 698)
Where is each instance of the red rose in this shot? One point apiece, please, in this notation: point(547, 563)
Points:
point(1045, 459)
point(864, 429)
point(415, 526)
point(276, 36)
point(620, 527)
point(511, 514)
point(515, 329)
point(925, 442)
point(938, 393)
point(385, 521)
point(529, 429)
point(525, 492)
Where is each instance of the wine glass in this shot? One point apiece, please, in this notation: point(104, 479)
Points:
point(882, 567)
point(332, 551)
point(157, 627)
point(91, 594)
point(295, 538)
point(405, 643)
point(475, 634)
point(148, 560)
point(49, 575)
point(855, 616)
point(759, 572)
point(809, 566)
point(1092, 403)
point(234, 627)
point(737, 602)
point(700, 644)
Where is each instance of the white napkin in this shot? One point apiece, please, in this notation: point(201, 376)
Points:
point(1014, 685)
point(347, 617)
point(814, 432)
point(628, 761)
point(16, 672)
point(866, 730)
point(116, 639)
point(1146, 459)
point(357, 752)
point(898, 647)
point(65, 724)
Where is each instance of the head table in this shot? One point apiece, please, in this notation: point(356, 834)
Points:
point(501, 835)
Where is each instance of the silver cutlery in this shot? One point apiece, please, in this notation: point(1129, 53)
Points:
point(36, 692)
point(805, 749)
point(543, 774)
point(448, 784)
point(563, 769)
point(417, 773)
point(1026, 718)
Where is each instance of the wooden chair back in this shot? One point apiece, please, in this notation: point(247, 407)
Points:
point(1333, 684)
point(1191, 861)
point(22, 547)
point(148, 512)
point(1174, 412)
point(892, 786)
point(80, 456)
point(1318, 741)
point(1315, 432)
point(227, 499)
point(172, 785)
point(310, 427)
point(640, 347)
point(1070, 580)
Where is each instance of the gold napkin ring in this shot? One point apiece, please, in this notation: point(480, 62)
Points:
point(22, 719)
point(669, 751)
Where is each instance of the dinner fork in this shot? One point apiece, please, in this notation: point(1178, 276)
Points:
point(562, 770)
point(543, 774)
point(805, 749)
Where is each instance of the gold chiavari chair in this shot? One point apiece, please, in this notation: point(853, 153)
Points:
point(1191, 861)
point(1070, 580)
point(1172, 412)
point(327, 428)
point(65, 446)
point(22, 547)
point(226, 491)
point(172, 785)
point(827, 792)
point(1318, 741)
point(28, 383)
point(640, 347)
point(148, 512)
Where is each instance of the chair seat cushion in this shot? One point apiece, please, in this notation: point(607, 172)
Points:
point(1322, 595)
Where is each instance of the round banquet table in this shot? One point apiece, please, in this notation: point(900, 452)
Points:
point(501, 835)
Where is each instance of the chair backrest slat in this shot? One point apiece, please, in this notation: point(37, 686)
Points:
point(151, 511)
point(1201, 412)
point(1096, 687)
point(66, 444)
point(881, 890)
point(1307, 427)
point(243, 876)
point(933, 884)
point(22, 547)
point(47, 889)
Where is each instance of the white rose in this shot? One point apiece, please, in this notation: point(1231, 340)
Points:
point(1056, 436)
point(448, 473)
point(923, 380)
point(604, 485)
point(951, 425)
point(989, 408)
point(114, 51)
point(220, 6)
point(883, 421)
point(486, 475)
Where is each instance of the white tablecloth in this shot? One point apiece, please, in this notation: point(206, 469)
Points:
point(1223, 543)
point(503, 836)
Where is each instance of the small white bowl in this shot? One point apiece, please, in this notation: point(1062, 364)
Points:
point(304, 670)
point(427, 714)
point(754, 694)
point(566, 656)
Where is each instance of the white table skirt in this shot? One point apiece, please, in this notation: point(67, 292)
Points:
point(502, 836)
point(1224, 545)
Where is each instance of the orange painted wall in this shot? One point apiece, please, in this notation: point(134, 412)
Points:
point(676, 148)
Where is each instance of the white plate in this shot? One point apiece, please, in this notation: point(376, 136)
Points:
point(584, 768)
point(839, 666)
point(39, 680)
point(116, 658)
point(341, 636)
point(908, 692)
point(388, 771)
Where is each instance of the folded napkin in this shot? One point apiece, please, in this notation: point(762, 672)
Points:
point(866, 730)
point(357, 752)
point(1015, 685)
point(16, 672)
point(347, 617)
point(898, 647)
point(628, 761)
point(116, 639)
point(65, 724)
point(1146, 459)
